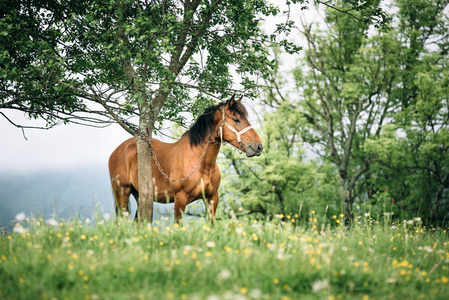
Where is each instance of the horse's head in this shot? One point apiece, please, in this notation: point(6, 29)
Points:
point(235, 129)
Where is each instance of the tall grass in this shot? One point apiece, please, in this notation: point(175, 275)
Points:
point(235, 259)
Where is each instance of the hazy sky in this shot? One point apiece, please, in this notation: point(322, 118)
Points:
point(62, 147)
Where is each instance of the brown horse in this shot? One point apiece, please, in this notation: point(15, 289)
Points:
point(187, 168)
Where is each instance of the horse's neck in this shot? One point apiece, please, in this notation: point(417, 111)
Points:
point(211, 154)
point(206, 152)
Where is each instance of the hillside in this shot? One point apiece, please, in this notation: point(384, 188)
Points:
point(60, 193)
point(64, 194)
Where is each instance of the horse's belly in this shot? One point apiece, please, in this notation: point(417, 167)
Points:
point(193, 190)
point(164, 194)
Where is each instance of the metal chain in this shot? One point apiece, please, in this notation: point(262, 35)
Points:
point(156, 161)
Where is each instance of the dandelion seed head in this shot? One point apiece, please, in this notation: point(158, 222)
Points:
point(320, 285)
point(52, 222)
point(20, 229)
point(20, 217)
point(224, 274)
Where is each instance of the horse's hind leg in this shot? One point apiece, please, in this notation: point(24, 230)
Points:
point(180, 206)
point(135, 193)
point(121, 194)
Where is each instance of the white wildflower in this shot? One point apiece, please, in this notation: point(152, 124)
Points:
point(391, 280)
point(428, 249)
point(106, 216)
point(210, 244)
point(417, 219)
point(224, 274)
point(367, 215)
point(239, 297)
point(320, 285)
point(255, 294)
point(20, 229)
point(229, 295)
point(20, 217)
point(239, 230)
point(52, 222)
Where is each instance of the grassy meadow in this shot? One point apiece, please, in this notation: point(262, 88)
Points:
point(235, 259)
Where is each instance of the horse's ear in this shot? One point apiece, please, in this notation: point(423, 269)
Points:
point(231, 101)
point(240, 100)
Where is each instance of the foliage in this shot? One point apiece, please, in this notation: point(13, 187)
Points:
point(411, 152)
point(375, 106)
point(340, 96)
point(45, 259)
point(119, 53)
point(414, 153)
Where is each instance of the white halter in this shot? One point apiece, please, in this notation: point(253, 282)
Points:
point(237, 133)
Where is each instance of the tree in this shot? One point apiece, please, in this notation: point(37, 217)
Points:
point(356, 86)
point(412, 152)
point(343, 96)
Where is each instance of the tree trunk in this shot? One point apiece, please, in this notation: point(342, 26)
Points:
point(436, 204)
point(145, 202)
point(144, 148)
point(346, 199)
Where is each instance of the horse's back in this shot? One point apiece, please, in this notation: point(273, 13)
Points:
point(123, 160)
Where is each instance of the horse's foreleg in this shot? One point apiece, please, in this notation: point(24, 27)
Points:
point(212, 202)
point(180, 206)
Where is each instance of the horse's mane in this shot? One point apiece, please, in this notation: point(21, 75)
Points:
point(204, 125)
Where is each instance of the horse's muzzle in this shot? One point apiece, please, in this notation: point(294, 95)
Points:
point(253, 150)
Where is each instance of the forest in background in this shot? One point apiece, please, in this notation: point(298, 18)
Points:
point(359, 126)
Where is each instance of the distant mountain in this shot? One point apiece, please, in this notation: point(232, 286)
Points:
point(82, 193)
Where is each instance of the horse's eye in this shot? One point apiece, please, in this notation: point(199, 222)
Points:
point(236, 120)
